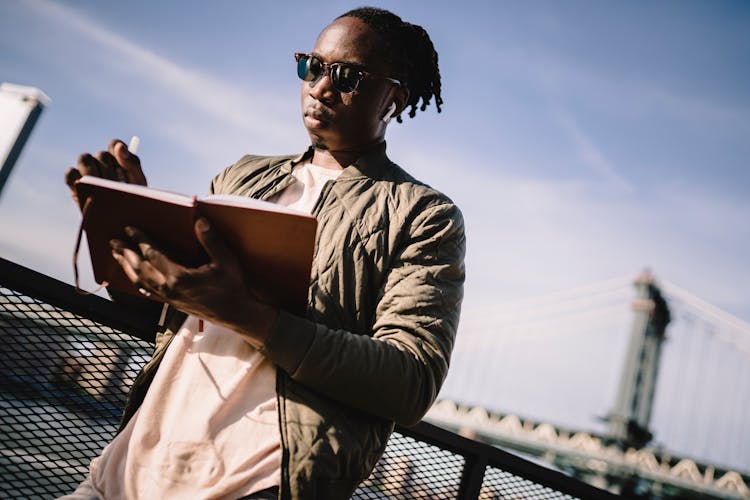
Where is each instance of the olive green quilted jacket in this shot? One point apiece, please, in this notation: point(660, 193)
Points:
point(384, 302)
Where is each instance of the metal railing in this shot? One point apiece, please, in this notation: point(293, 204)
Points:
point(66, 362)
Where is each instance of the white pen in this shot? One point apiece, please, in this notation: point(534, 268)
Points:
point(135, 141)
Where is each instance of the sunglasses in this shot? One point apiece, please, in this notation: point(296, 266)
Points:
point(344, 77)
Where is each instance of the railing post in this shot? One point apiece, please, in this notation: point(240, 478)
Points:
point(472, 477)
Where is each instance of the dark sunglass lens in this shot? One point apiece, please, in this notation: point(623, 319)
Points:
point(314, 68)
point(302, 66)
point(346, 78)
point(308, 68)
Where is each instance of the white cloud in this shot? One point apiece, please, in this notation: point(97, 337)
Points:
point(529, 236)
point(247, 112)
point(589, 154)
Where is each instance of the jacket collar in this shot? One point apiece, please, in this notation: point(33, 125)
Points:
point(373, 164)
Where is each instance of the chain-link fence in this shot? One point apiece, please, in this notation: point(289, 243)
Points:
point(66, 364)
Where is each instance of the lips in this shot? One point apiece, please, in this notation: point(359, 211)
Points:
point(317, 117)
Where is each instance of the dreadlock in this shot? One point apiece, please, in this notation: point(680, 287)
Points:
point(409, 51)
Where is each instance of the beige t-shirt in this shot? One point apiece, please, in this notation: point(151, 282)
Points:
point(208, 427)
point(303, 194)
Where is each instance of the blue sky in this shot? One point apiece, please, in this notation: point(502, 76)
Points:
point(584, 141)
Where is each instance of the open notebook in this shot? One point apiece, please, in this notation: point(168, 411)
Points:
point(274, 244)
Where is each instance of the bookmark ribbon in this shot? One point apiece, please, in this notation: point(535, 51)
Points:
point(84, 211)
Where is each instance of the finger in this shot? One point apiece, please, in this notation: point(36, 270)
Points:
point(129, 162)
point(140, 272)
point(214, 246)
point(112, 144)
point(128, 260)
point(122, 174)
point(108, 165)
point(88, 165)
point(71, 177)
point(151, 253)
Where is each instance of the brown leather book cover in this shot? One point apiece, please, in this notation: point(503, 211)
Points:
point(274, 244)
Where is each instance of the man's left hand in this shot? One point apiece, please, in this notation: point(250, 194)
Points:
point(215, 292)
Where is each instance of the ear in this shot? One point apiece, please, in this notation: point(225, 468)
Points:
point(400, 98)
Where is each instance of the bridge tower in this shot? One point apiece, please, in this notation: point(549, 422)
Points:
point(629, 420)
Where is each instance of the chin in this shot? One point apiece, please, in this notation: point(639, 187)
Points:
point(318, 142)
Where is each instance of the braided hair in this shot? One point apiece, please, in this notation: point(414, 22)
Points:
point(409, 51)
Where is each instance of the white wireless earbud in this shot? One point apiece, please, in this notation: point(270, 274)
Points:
point(388, 114)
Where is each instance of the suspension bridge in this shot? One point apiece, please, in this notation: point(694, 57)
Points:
point(593, 381)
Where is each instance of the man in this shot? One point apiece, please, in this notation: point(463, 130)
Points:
point(244, 400)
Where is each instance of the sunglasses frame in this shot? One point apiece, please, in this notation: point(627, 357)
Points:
point(330, 70)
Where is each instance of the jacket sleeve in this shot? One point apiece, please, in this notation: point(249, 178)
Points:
point(398, 371)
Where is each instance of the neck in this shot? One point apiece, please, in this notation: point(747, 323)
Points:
point(337, 159)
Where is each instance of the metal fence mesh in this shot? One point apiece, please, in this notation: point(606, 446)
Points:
point(413, 469)
point(63, 384)
point(501, 484)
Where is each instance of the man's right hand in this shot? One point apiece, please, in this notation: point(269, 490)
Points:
point(116, 163)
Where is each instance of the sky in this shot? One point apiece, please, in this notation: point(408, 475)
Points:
point(583, 140)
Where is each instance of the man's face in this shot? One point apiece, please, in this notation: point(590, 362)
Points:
point(347, 122)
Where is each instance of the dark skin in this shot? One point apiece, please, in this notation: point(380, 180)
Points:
point(342, 128)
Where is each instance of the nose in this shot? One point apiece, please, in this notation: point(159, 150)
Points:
point(322, 89)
